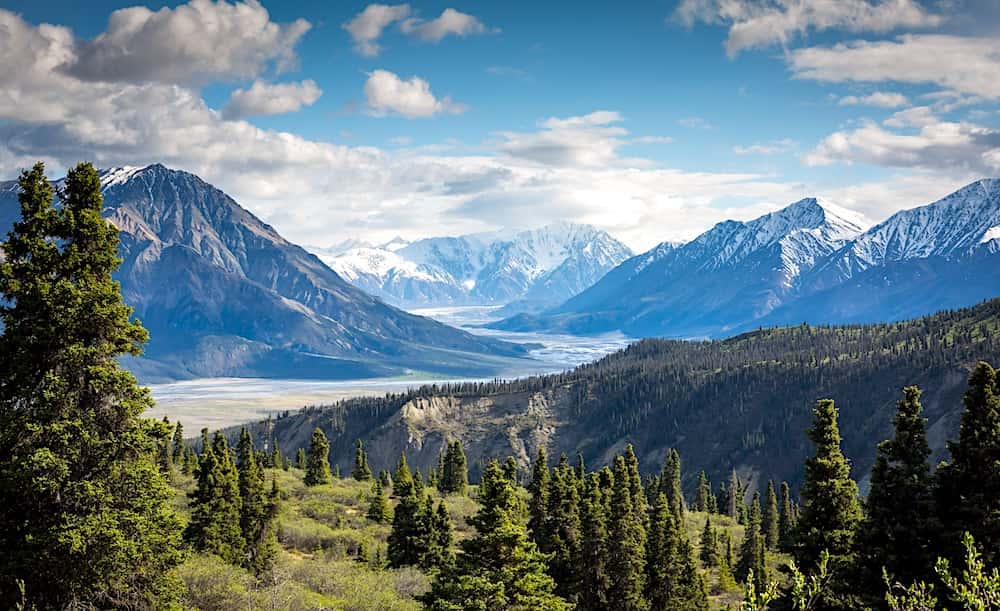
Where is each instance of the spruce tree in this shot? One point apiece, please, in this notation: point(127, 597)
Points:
point(85, 517)
point(626, 544)
point(254, 505)
point(968, 486)
point(771, 527)
point(456, 470)
point(538, 501)
point(592, 565)
point(361, 472)
point(178, 445)
point(510, 469)
point(402, 480)
point(830, 507)
point(751, 561)
point(896, 531)
point(709, 545)
point(670, 482)
point(318, 460)
point(563, 542)
point(786, 520)
point(378, 505)
point(498, 568)
point(439, 556)
point(214, 527)
point(672, 578)
point(409, 539)
point(300, 459)
point(704, 493)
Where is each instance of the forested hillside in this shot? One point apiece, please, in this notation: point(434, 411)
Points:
point(740, 403)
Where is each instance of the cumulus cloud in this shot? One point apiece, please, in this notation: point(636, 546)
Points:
point(914, 138)
point(271, 99)
point(412, 98)
point(961, 64)
point(880, 99)
point(450, 22)
point(762, 23)
point(366, 27)
point(590, 140)
point(194, 42)
point(766, 148)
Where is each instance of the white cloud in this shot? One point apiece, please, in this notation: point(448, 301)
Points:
point(585, 141)
point(762, 23)
point(412, 98)
point(449, 22)
point(766, 148)
point(366, 27)
point(695, 123)
point(880, 99)
point(961, 64)
point(271, 99)
point(194, 42)
point(652, 140)
point(923, 142)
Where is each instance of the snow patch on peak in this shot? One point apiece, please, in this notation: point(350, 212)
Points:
point(120, 175)
point(993, 233)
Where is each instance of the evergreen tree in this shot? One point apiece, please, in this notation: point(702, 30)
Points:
point(456, 470)
point(300, 459)
point(830, 508)
point(639, 504)
point(751, 562)
point(402, 480)
point(563, 540)
point(734, 497)
point(378, 505)
point(592, 573)
point(771, 526)
point(164, 455)
point(709, 545)
point(499, 568)
point(968, 486)
point(216, 506)
point(510, 469)
point(276, 459)
point(255, 506)
point(178, 445)
point(439, 556)
point(361, 472)
point(704, 493)
point(538, 502)
point(722, 499)
point(85, 517)
point(318, 460)
point(626, 544)
point(895, 532)
point(670, 482)
point(786, 520)
point(672, 578)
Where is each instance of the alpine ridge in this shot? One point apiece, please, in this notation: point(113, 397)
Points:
point(223, 294)
point(811, 261)
point(523, 271)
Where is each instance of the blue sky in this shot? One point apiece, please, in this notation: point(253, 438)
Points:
point(653, 120)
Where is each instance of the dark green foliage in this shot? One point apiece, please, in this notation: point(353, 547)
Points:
point(456, 470)
point(703, 494)
point(439, 556)
point(499, 568)
point(85, 516)
point(378, 505)
point(830, 507)
point(708, 546)
point(592, 564)
point(257, 509)
point(670, 482)
point(771, 519)
point(968, 486)
point(178, 445)
point(318, 460)
point(276, 460)
point(562, 540)
point(899, 522)
point(626, 544)
point(402, 480)
point(300, 459)
point(672, 578)
point(752, 555)
point(216, 505)
point(361, 471)
point(538, 503)
point(786, 520)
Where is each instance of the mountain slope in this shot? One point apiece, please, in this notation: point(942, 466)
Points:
point(731, 273)
point(223, 294)
point(742, 403)
point(526, 270)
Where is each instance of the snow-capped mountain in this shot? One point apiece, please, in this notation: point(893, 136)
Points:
point(523, 270)
point(223, 294)
point(811, 261)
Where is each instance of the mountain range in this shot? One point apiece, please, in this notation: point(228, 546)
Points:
point(521, 270)
point(223, 294)
point(811, 261)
